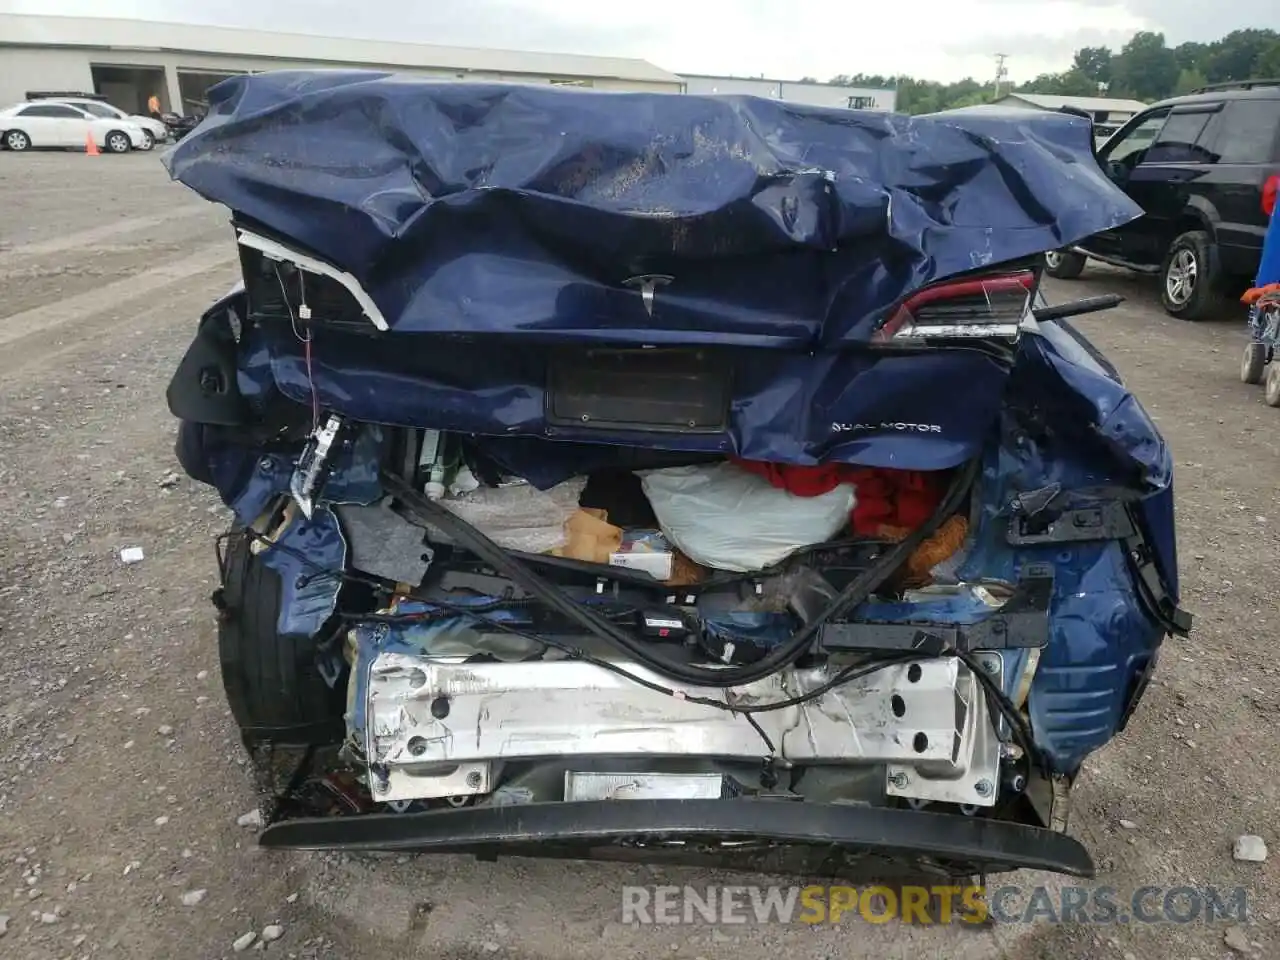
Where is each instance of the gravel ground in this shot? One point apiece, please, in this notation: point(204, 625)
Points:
point(121, 780)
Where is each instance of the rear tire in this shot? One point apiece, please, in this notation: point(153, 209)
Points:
point(17, 141)
point(1272, 390)
point(118, 142)
point(1254, 362)
point(1189, 278)
point(1064, 264)
point(272, 680)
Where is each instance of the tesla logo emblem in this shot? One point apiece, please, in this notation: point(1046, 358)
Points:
point(648, 286)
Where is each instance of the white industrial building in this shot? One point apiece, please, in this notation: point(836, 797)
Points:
point(128, 61)
point(1109, 114)
point(794, 91)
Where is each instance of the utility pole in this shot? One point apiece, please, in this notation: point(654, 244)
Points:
point(1001, 73)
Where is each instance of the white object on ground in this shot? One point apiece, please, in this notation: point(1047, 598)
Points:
point(131, 555)
point(1250, 849)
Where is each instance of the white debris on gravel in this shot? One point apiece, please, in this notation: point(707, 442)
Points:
point(131, 866)
point(202, 675)
point(251, 819)
point(48, 918)
point(1128, 825)
point(193, 897)
point(291, 898)
point(164, 730)
point(169, 481)
point(161, 821)
point(1250, 849)
point(244, 942)
point(272, 932)
point(131, 555)
point(1236, 940)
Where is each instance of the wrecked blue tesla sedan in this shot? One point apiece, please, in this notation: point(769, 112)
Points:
point(672, 477)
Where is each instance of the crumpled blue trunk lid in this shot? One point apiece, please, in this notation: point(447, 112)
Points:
point(523, 211)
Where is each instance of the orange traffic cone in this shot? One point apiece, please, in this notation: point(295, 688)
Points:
point(90, 147)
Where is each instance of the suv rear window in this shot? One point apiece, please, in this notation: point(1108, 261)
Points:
point(1248, 131)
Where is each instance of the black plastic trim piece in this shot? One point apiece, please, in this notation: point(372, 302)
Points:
point(204, 388)
point(1023, 622)
point(536, 829)
point(1106, 521)
point(1151, 589)
point(1077, 308)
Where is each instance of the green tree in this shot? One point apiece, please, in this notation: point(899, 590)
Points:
point(1191, 55)
point(1094, 63)
point(1073, 83)
point(1268, 63)
point(1146, 68)
point(1189, 80)
point(1235, 55)
point(873, 81)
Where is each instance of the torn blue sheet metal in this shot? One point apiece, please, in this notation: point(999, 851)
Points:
point(480, 209)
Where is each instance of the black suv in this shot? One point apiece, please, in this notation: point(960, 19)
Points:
point(1204, 168)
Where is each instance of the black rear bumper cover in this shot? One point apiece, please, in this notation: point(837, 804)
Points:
point(558, 829)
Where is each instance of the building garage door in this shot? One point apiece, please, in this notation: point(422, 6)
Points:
point(194, 86)
point(129, 88)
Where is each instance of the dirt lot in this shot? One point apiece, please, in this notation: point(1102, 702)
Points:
point(121, 781)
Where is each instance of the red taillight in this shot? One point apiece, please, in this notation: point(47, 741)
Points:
point(1269, 190)
point(990, 306)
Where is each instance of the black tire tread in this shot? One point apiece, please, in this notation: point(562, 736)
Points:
point(1253, 363)
point(272, 681)
point(1207, 302)
point(1072, 267)
point(1271, 387)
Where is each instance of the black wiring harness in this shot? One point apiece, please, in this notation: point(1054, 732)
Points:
point(429, 514)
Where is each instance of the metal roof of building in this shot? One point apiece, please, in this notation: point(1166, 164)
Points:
point(125, 34)
point(1091, 104)
point(793, 83)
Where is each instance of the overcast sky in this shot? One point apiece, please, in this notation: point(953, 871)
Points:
point(937, 39)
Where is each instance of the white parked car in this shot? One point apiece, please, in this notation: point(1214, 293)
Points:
point(45, 123)
point(153, 128)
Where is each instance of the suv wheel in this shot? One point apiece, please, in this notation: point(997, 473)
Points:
point(1064, 264)
point(1188, 278)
